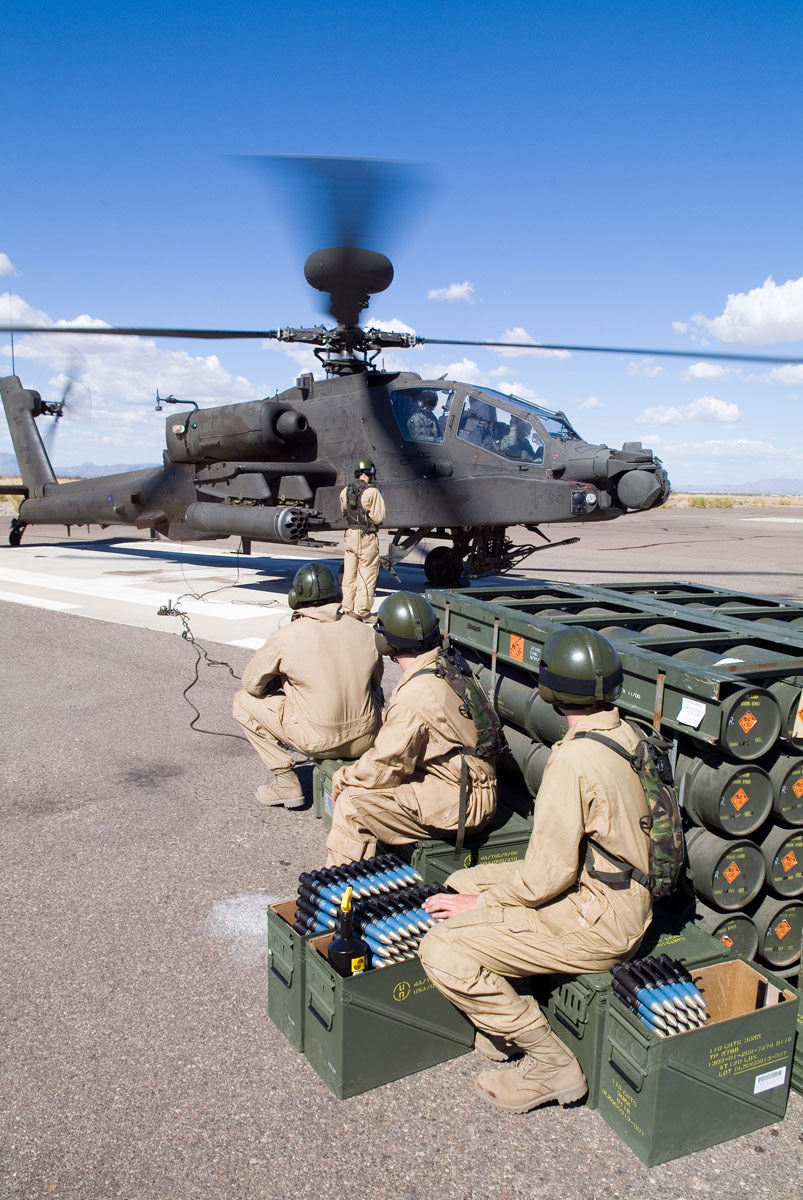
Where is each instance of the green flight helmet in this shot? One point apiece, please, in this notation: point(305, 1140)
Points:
point(314, 583)
point(406, 623)
point(364, 466)
point(579, 669)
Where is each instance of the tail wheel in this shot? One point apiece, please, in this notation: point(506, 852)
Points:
point(443, 567)
point(15, 532)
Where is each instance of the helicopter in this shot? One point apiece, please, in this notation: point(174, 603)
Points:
point(457, 463)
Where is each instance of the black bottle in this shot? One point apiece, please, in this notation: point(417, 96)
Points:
point(348, 954)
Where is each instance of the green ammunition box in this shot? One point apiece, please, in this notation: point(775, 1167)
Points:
point(667, 1097)
point(504, 839)
point(286, 969)
point(370, 1029)
point(576, 1006)
point(322, 774)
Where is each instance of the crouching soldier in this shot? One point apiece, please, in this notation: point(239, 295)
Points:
point(408, 785)
point(314, 686)
point(555, 911)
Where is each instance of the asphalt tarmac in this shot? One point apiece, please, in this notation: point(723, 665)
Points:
point(138, 1060)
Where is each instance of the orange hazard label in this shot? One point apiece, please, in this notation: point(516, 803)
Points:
point(797, 788)
point(748, 721)
point(731, 872)
point(517, 647)
point(783, 929)
point(789, 860)
point(739, 799)
point(728, 941)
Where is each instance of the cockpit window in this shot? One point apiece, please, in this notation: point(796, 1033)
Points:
point(554, 423)
point(421, 413)
point(499, 431)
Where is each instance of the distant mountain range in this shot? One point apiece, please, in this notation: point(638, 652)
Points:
point(8, 466)
point(757, 487)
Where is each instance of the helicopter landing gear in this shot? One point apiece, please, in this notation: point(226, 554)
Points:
point(16, 531)
point(443, 567)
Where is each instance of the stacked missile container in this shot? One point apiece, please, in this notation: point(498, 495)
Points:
point(721, 674)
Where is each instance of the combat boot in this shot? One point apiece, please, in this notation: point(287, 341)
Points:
point(497, 1049)
point(549, 1071)
point(285, 790)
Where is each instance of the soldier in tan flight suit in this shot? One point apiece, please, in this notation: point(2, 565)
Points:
point(549, 912)
point(314, 685)
point(407, 786)
point(364, 509)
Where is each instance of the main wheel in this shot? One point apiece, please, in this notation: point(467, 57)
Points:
point(15, 537)
point(443, 567)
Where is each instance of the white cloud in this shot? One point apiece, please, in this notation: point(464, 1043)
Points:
point(117, 378)
point(518, 334)
point(680, 326)
point(6, 266)
point(791, 373)
point(706, 370)
point(593, 402)
point(646, 367)
point(734, 449)
point(706, 408)
point(770, 313)
point(454, 292)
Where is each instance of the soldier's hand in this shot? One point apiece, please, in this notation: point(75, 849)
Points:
point(442, 904)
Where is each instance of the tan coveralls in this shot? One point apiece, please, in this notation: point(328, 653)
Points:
point(322, 675)
point(361, 554)
point(407, 786)
point(543, 914)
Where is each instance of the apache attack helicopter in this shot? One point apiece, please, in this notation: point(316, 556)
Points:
point(456, 463)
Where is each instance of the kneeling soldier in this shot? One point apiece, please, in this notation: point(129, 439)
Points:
point(551, 912)
point(408, 785)
point(314, 686)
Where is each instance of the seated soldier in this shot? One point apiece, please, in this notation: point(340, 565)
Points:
point(560, 909)
point(516, 442)
point(422, 424)
point(408, 785)
point(314, 686)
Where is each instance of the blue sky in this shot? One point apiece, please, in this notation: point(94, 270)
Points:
point(624, 175)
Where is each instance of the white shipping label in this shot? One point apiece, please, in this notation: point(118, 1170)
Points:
point(691, 712)
point(769, 1080)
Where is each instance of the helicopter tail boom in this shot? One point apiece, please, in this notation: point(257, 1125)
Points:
point(22, 405)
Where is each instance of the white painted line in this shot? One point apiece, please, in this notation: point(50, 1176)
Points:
point(777, 520)
point(36, 601)
point(128, 594)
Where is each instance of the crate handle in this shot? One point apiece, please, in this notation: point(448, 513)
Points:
point(281, 961)
point(321, 999)
point(634, 1068)
point(574, 1027)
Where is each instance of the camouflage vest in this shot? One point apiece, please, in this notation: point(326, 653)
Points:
point(650, 761)
point(356, 516)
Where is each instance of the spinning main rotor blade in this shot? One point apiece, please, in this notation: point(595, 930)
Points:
point(415, 339)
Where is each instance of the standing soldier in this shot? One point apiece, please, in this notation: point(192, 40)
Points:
point(364, 509)
point(560, 909)
point(314, 685)
point(408, 785)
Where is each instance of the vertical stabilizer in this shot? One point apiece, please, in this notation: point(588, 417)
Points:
point(21, 406)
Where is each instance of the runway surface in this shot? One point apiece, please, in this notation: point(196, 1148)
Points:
point(137, 1057)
